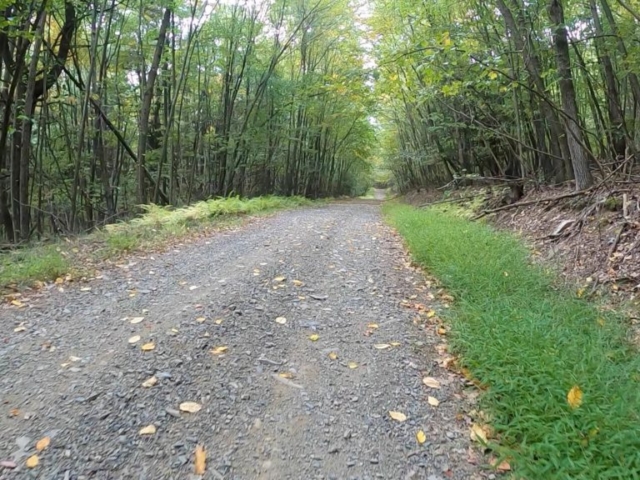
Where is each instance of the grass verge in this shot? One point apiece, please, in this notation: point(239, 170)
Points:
point(531, 342)
point(157, 227)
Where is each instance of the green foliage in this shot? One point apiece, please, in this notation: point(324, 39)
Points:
point(531, 342)
point(32, 264)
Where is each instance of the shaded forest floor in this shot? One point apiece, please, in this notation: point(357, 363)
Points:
point(591, 240)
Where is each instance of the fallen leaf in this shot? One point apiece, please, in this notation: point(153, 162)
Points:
point(574, 397)
point(200, 319)
point(601, 322)
point(395, 344)
point(32, 461)
point(478, 434)
point(21, 328)
point(431, 313)
point(219, 350)
point(85, 289)
point(192, 287)
point(397, 416)
point(134, 339)
point(502, 466)
point(421, 437)
point(381, 346)
point(373, 326)
point(217, 321)
point(190, 407)
point(433, 401)
point(314, 337)
point(288, 375)
point(14, 412)
point(352, 365)
point(281, 320)
point(442, 331)
point(17, 303)
point(298, 283)
point(200, 463)
point(74, 359)
point(150, 382)
point(333, 355)
point(279, 279)
point(148, 430)
point(43, 443)
point(431, 382)
point(147, 347)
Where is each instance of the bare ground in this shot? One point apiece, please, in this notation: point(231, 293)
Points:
point(275, 404)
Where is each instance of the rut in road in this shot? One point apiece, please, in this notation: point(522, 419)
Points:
point(275, 404)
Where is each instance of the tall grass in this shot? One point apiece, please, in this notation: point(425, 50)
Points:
point(156, 226)
point(531, 341)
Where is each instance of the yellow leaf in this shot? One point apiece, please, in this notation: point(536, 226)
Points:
point(32, 461)
point(397, 416)
point(150, 382)
point(279, 279)
point(19, 329)
point(43, 443)
point(314, 337)
point(382, 346)
point(433, 401)
point(147, 347)
point(219, 350)
point(17, 303)
point(135, 320)
point(288, 375)
point(493, 75)
point(431, 382)
point(431, 313)
point(601, 322)
point(333, 355)
point(298, 283)
point(217, 321)
point(134, 339)
point(281, 320)
point(148, 430)
point(200, 319)
point(421, 437)
point(373, 326)
point(200, 460)
point(478, 434)
point(580, 292)
point(190, 407)
point(574, 397)
point(395, 344)
point(352, 365)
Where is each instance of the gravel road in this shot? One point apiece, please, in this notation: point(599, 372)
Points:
point(233, 321)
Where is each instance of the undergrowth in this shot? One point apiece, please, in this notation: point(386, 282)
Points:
point(157, 226)
point(531, 341)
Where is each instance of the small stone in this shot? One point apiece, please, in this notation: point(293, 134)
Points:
point(172, 412)
point(374, 461)
point(351, 463)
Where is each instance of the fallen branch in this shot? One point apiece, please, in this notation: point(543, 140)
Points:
point(535, 202)
point(450, 200)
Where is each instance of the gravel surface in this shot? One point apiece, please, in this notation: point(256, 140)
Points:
point(277, 403)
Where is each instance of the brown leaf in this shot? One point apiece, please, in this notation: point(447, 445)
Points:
point(148, 430)
point(43, 443)
point(431, 382)
point(397, 416)
point(200, 464)
point(190, 407)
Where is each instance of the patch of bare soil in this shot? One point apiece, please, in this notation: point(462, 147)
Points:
point(592, 238)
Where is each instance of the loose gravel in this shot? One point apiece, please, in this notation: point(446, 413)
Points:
point(277, 401)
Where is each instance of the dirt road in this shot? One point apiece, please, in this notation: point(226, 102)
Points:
point(288, 333)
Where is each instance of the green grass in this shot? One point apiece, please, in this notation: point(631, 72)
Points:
point(530, 341)
point(158, 226)
point(28, 265)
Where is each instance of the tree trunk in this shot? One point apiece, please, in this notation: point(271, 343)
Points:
point(579, 155)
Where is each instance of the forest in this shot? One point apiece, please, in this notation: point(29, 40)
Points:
point(107, 105)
